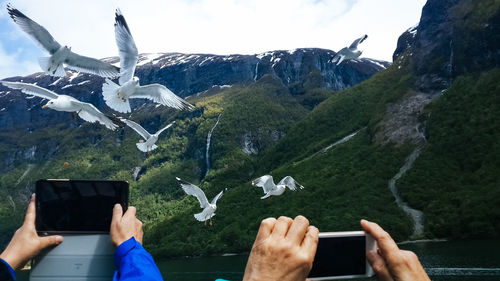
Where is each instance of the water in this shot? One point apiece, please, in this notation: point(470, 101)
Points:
point(444, 261)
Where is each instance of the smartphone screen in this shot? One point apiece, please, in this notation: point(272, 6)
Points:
point(340, 256)
point(66, 206)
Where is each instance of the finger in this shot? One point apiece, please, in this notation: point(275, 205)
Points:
point(379, 266)
point(130, 213)
point(50, 241)
point(281, 228)
point(298, 229)
point(265, 229)
point(310, 242)
point(117, 213)
point(138, 231)
point(385, 242)
point(31, 212)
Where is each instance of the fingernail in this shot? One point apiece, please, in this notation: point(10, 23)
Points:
point(32, 196)
point(59, 239)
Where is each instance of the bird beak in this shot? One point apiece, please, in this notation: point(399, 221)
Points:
point(45, 106)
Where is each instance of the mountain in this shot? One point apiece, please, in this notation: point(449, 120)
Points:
point(186, 75)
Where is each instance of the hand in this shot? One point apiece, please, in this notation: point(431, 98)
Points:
point(283, 250)
point(26, 243)
point(391, 263)
point(125, 226)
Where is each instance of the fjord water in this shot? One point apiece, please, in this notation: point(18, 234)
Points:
point(477, 260)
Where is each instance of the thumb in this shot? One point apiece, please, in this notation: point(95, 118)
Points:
point(48, 241)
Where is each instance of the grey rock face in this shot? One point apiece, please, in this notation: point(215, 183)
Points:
point(405, 41)
point(453, 37)
point(249, 144)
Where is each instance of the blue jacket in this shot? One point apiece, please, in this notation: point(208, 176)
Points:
point(6, 272)
point(134, 263)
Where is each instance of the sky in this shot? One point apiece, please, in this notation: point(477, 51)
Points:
point(206, 26)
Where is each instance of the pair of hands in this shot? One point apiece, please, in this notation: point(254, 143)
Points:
point(25, 244)
point(284, 250)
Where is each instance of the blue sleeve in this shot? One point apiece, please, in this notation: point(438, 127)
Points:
point(6, 272)
point(135, 263)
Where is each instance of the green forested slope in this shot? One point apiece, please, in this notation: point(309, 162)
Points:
point(456, 180)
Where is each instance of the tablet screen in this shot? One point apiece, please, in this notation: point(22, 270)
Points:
point(78, 205)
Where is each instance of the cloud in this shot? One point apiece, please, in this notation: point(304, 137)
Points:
point(14, 65)
point(225, 26)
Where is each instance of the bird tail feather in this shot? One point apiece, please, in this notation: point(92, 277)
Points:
point(110, 95)
point(60, 72)
point(44, 63)
point(46, 66)
point(201, 216)
point(144, 148)
point(265, 196)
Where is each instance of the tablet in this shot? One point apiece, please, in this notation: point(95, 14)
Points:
point(78, 206)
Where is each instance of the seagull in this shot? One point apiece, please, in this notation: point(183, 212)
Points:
point(60, 55)
point(349, 53)
point(149, 145)
point(117, 96)
point(267, 184)
point(208, 208)
point(86, 111)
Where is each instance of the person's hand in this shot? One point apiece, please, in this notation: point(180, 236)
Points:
point(283, 250)
point(125, 226)
point(390, 263)
point(25, 244)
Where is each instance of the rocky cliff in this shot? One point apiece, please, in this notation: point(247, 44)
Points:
point(453, 37)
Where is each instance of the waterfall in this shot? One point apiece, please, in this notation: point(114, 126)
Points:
point(209, 137)
point(450, 63)
point(256, 69)
point(28, 169)
point(416, 215)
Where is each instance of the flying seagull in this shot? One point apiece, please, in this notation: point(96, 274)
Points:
point(349, 53)
point(60, 55)
point(208, 208)
point(117, 96)
point(150, 139)
point(86, 111)
point(267, 184)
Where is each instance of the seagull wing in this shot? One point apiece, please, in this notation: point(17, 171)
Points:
point(138, 128)
point(160, 94)
point(266, 182)
point(192, 189)
point(217, 197)
point(163, 129)
point(354, 45)
point(126, 46)
point(290, 183)
point(91, 114)
point(41, 36)
point(91, 66)
point(31, 89)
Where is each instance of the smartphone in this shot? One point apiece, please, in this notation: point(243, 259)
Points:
point(342, 255)
point(78, 206)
